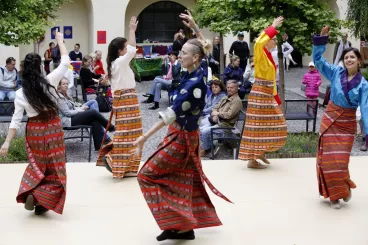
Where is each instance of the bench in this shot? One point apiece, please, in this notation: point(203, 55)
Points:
point(80, 130)
point(302, 110)
point(232, 135)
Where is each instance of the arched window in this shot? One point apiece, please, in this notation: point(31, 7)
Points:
point(160, 21)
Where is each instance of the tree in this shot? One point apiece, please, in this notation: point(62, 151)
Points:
point(303, 18)
point(357, 15)
point(24, 21)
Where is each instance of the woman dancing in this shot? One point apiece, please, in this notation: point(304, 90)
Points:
point(338, 126)
point(43, 185)
point(118, 156)
point(265, 125)
point(172, 179)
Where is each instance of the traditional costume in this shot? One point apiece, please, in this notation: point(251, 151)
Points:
point(119, 154)
point(265, 125)
point(338, 126)
point(45, 175)
point(172, 179)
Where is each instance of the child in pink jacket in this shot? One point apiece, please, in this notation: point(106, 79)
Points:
point(312, 80)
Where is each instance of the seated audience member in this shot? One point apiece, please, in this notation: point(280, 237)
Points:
point(234, 72)
point(89, 79)
point(87, 114)
point(224, 114)
point(8, 80)
point(75, 55)
point(98, 66)
point(172, 71)
point(217, 92)
point(248, 78)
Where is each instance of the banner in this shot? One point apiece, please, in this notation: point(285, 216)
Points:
point(68, 32)
point(53, 31)
point(101, 37)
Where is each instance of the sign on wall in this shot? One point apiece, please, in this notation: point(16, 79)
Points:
point(68, 32)
point(53, 31)
point(101, 37)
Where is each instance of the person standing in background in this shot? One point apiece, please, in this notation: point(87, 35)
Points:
point(241, 49)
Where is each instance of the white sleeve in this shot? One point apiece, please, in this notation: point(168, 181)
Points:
point(289, 47)
point(126, 58)
point(209, 76)
point(56, 75)
point(18, 115)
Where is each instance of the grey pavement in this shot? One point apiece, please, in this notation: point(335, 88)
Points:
point(78, 151)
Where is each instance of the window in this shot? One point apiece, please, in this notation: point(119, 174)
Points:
point(160, 21)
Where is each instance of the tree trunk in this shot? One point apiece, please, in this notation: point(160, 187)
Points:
point(281, 76)
point(222, 56)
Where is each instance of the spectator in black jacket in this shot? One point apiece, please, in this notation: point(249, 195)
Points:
point(240, 48)
point(89, 79)
point(215, 57)
point(75, 55)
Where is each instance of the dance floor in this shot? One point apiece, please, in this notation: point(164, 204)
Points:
point(278, 205)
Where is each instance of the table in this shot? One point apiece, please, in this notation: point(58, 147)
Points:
point(147, 67)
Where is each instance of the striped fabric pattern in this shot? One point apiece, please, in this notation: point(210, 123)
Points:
point(172, 182)
point(45, 175)
point(265, 126)
point(128, 122)
point(336, 141)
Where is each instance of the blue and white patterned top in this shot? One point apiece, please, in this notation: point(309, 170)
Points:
point(344, 93)
point(189, 99)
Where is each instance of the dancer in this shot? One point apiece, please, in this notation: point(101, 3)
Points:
point(172, 179)
point(338, 126)
point(118, 156)
point(265, 125)
point(43, 185)
point(287, 49)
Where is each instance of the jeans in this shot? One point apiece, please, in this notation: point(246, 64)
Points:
point(157, 84)
point(93, 105)
point(7, 94)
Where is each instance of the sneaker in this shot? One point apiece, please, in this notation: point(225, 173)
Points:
point(30, 203)
point(107, 166)
point(346, 199)
point(335, 204)
point(363, 146)
point(40, 210)
point(176, 235)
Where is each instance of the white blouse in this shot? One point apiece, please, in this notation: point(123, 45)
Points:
point(122, 74)
point(21, 103)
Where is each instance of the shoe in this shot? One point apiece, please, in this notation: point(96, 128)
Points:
point(175, 235)
point(347, 199)
point(106, 164)
point(40, 210)
point(264, 159)
point(30, 203)
point(203, 153)
point(335, 204)
point(149, 100)
point(146, 95)
point(155, 106)
point(131, 174)
point(363, 146)
point(254, 164)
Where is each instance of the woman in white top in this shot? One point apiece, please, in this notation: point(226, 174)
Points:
point(43, 185)
point(118, 156)
point(287, 49)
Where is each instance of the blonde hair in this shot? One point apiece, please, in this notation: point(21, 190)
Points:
point(234, 58)
point(204, 48)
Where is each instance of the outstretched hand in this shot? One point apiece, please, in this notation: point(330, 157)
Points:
point(133, 23)
point(278, 21)
point(59, 36)
point(139, 143)
point(188, 19)
point(4, 149)
point(325, 31)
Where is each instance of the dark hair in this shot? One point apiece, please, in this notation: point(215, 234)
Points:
point(77, 44)
point(10, 60)
point(347, 50)
point(176, 53)
point(51, 44)
point(85, 59)
point(113, 52)
point(37, 90)
point(219, 83)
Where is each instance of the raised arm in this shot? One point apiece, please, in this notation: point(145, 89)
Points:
point(131, 47)
point(319, 47)
point(132, 29)
point(56, 75)
point(189, 21)
point(267, 35)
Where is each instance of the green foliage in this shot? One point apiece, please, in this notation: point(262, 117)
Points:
point(24, 21)
point(303, 18)
point(365, 73)
point(357, 14)
point(300, 143)
point(17, 151)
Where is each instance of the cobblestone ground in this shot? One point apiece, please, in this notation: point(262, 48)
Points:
point(77, 151)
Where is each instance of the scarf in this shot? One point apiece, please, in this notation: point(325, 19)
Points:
point(339, 51)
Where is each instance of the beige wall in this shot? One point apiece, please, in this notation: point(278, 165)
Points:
point(72, 14)
point(9, 51)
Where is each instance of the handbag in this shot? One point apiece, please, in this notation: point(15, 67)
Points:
point(104, 104)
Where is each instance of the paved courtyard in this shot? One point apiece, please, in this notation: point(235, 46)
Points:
point(276, 206)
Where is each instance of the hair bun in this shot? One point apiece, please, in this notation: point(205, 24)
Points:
point(207, 46)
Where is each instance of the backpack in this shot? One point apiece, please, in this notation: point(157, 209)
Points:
point(104, 104)
point(16, 71)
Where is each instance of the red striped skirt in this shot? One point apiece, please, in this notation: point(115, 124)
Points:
point(336, 140)
point(265, 125)
point(171, 181)
point(45, 175)
point(128, 122)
